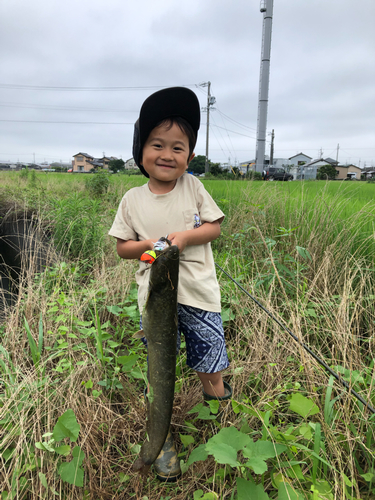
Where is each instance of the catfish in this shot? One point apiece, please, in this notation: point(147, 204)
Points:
point(159, 321)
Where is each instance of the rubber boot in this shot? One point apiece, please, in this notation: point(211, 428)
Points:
point(224, 400)
point(167, 465)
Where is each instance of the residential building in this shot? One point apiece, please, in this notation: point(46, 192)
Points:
point(130, 164)
point(368, 172)
point(348, 172)
point(84, 162)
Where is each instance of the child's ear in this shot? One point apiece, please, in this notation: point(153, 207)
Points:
point(191, 157)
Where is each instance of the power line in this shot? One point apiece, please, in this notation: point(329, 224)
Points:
point(82, 89)
point(63, 108)
point(233, 132)
point(235, 121)
point(79, 123)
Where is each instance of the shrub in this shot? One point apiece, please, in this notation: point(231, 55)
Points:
point(98, 184)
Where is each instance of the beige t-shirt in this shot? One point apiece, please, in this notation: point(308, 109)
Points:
point(143, 215)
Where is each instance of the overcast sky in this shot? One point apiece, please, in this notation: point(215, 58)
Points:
point(52, 52)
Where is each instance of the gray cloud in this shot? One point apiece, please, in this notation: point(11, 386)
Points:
point(321, 85)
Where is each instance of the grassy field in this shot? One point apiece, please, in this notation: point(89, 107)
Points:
point(72, 415)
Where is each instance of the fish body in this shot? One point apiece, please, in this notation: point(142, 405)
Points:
point(159, 321)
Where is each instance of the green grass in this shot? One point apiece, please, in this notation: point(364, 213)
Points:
point(67, 354)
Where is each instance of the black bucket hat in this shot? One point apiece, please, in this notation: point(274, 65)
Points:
point(166, 103)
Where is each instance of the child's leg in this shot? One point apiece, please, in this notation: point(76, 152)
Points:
point(212, 383)
point(205, 347)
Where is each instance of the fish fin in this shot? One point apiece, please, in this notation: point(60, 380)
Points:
point(139, 335)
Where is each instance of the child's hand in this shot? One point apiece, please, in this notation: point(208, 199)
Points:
point(179, 238)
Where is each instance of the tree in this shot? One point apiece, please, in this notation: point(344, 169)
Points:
point(197, 164)
point(215, 169)
point(326, 172)
point(116, 165)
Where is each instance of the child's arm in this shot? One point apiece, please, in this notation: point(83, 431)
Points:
point(207, 232)
point(131, 249)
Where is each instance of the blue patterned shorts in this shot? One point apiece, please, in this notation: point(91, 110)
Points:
point(204, 337)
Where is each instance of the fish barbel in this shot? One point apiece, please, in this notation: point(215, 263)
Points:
point(159, 321)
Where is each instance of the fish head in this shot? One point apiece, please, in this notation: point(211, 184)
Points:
point(164, 270)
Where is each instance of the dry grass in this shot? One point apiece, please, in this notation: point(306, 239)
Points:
point(267, 365)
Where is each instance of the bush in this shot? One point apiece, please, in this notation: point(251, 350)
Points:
point(98, 184)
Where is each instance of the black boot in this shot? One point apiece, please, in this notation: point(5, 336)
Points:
point(167, 465)
point(223, 400)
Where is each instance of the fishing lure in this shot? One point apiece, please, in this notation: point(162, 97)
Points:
point(150, 256)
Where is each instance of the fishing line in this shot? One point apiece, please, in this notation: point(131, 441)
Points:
point(320, 361)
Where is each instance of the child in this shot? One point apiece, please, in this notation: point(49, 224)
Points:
point(176, 204)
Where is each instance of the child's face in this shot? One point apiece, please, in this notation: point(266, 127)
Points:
point(165, 155)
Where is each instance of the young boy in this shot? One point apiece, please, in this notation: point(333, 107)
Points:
point(176, 204)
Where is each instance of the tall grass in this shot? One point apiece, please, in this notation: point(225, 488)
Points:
point(49, 359)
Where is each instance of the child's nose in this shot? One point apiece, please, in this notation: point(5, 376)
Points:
point(167, 154)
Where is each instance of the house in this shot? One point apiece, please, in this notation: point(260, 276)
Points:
point(130, 164)
point(348, 172)
point(309, 170)
point(82, 162)
point(368, 172)
point(86, 163)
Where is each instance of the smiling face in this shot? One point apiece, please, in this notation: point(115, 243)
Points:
point(165, 157)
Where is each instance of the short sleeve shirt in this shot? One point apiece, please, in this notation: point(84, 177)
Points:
point(144, 215)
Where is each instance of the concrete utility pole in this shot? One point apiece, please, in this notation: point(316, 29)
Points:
point(210, 102)
point(271, 153)
point(266, 7)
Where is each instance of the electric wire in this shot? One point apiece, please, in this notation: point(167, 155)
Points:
point(235, 121)
point(320, 361)
point(82, 89)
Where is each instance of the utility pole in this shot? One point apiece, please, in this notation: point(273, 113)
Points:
point(337, 154)
point(266, 7)
point(210, 102)
point(271, 153)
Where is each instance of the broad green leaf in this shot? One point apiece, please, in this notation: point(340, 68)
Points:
point(66, 426)
point(305, 431)
point(137, 373)
point(123, 478)
point(230, 436)
point(116, 310)
point(71, 473)
point(78, 454)
point(324, 490)
point(263, 449)
point(89, 384)
point(369, 476)
point(203, 412)
point(302, 405)
point(286, 492)
point(224, 454)
point(198, 454)
point(43, 479)
point(347, 481)
point(247, 490)
point(258, 465)
point(186, 439)
point(214, 406)
point(63, 450)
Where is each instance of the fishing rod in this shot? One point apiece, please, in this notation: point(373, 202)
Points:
point(320, 361)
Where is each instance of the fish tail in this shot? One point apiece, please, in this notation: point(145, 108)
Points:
point(140, 466)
